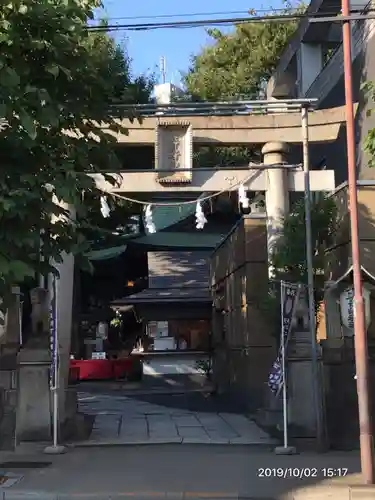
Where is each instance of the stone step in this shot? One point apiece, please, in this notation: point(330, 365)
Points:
point(300, 337)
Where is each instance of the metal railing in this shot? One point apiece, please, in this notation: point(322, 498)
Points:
point(224, 108)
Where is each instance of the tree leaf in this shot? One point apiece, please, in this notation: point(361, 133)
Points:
point(54, 70)
point(9, 77)
point(28, 124)
point(237, 64)
point(20, 270)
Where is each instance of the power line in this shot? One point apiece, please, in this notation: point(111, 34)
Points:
point(317, 17)
point(221, 13)
point(192, 14)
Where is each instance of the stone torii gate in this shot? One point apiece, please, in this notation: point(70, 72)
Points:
point(275, 125)
point(174, 129)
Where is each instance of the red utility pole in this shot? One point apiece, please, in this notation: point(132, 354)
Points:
point(360, 334)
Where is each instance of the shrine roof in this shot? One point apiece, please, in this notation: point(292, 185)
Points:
point(106, 253)
point(166, 240)
point(152, 295)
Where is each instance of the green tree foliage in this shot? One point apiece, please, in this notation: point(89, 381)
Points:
point(114, 62)
point(238, 64)
point(54, 90)
point(289, 257)
point(369, 142)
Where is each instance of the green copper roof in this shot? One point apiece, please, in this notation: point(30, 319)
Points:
point(106, 253)
point(169, 240)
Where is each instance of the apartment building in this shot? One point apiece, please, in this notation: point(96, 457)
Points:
point(312, 66)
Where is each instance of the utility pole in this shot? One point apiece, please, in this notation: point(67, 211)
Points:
point(162, 69)
point(360, 334)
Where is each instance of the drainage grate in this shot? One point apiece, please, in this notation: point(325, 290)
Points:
point(24, 465)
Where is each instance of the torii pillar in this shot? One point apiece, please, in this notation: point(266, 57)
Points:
point(277, 193)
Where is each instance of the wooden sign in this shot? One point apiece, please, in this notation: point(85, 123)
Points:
point(174, 152)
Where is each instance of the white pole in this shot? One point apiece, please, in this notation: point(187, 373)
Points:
point(283, 368)
point(20, 323)
point(55, 421)
point(285, 449)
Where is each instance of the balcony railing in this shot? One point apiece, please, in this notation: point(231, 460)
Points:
point(362, 32)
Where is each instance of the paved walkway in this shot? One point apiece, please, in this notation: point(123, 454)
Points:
point(126, 420)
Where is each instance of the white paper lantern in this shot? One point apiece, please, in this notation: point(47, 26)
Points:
point(347, 307)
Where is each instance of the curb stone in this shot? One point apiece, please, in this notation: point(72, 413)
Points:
point(319, 493)
point(134, 495)
point(25, 495)
point(126, 442)
point(178, 440)
point(331, 492)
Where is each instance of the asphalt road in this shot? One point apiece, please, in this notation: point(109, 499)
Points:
point(140, 472)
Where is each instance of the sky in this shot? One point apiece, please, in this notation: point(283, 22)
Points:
point(175, 45)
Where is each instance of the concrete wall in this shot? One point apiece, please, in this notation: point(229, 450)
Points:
point(243, 345)
point(8, 408)
point(9, 379)
point(34, 408)
point(341, 393)
point(338, 349)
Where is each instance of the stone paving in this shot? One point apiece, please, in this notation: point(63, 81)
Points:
point(125, 420)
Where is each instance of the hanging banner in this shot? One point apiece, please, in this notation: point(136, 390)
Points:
point(53, 334)
point(275, 378)
point(290, 294)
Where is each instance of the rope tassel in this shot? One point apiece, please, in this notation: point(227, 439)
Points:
point(200, 217)
point(104, 207)
point(150, 226)
point(242, 197)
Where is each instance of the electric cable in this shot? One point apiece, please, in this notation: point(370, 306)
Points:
point(192, 14)
point(317, 17)
point(222, 13)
